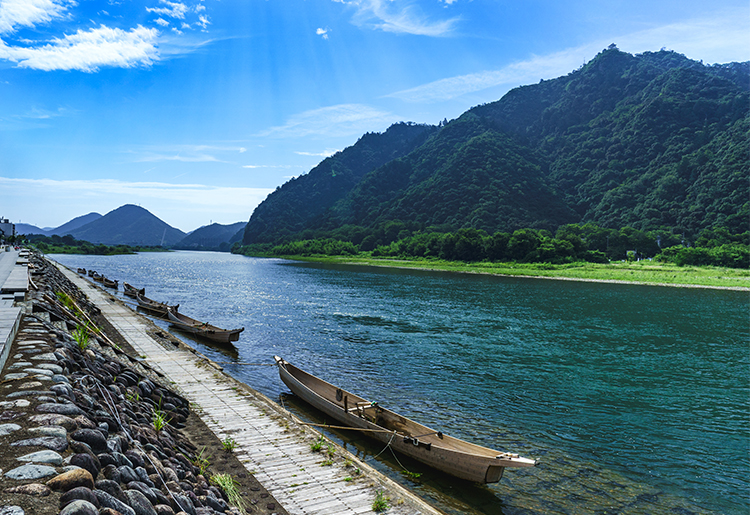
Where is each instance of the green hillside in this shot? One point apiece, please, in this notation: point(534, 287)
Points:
point(653, 141)
point(301, 203)
point(129, 225)
point(212, 237)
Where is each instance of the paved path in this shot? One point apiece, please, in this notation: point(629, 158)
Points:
point(13, 284)
point(270, 446)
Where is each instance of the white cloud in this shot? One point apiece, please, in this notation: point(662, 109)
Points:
point(338, 120)
point(185, 153)
point(88, 50)
point(721, 39)
point(162, 22)
point(325, 153)
point(35, 118)
point(48, 202)
point(27, 13)
point(253, 167)
point(322, 32)
point(397, 16)
point(172, 9)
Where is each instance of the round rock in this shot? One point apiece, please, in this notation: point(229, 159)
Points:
point(31, 471)
point(44, 457)
point(72, 479)
point(80, 507)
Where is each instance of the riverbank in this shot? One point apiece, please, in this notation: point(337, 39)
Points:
point(637, 273)
point(132, 378)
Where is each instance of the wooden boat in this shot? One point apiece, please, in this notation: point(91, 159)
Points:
point(98, 277)
point(82, 271)
point(203, 329)
point(131, 290)
point(157, 308)
point(110, 283)
point(92, 273)
point(451, 455)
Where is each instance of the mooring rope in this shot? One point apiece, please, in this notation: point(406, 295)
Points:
point(246, 364)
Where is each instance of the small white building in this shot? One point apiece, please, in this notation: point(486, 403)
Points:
point(7, 229)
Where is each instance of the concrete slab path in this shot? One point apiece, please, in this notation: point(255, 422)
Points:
point(269, 444)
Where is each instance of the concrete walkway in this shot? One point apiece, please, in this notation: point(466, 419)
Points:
point(272, 448)
point(14, 282)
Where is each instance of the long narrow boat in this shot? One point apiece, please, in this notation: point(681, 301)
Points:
point(157, 308)
point(109, 283)
point(451, 455)
point(132, 291)
point(82, 271)
point(92, 273)
point(204, 329)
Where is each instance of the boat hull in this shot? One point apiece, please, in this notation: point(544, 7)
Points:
point(155, 308)
point(451, 455)
point(132, 291)
point(213, 333)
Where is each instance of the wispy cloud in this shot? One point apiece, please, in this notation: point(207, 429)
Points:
point(397, 16)
point(165, 200)
point(34, 118)
point(325, 153)
point(186, 153)
point(339, 120)
point(322, 33)
point(720, 39)
point(88, 50)
point(172, 9)
point(28, 13)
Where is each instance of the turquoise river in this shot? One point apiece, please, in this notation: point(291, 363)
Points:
point(634, 399)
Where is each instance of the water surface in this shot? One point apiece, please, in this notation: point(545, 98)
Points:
point(633, 398)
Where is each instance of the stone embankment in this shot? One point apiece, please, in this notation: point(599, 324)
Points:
point(88, 429)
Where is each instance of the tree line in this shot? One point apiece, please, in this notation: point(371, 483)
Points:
point(67, 244)
point(570, 243)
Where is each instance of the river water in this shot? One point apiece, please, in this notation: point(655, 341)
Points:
point(635, 399)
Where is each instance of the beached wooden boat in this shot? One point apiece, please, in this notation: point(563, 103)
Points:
point(98, 277)
point(82, 271)
point(92, 273)
point(109, 283)
point(152, 306)
point(451, 455)
point(203, 329)
point(131, 291)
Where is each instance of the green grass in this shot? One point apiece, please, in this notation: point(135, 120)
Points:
point(641, 272)
point(81, 336)
point(317, 445)
point(159, 420)
point(380, 503)
point(201, 461)
point(229, 444)
point(227, 483)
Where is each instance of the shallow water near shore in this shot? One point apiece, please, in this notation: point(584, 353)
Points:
point(633, 398)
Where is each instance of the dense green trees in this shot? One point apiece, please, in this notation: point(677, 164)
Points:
point(69, 245)
point(631, 153)
point(571, 243)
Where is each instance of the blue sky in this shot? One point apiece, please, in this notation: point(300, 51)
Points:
point(197, 109)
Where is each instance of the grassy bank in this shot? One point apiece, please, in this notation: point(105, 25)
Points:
point(642, 272)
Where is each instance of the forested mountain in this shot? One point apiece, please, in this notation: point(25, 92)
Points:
point(62, 230)
point(212, 237)
point(651, 141)
point(74, 224)
point(129, 225)
point(300, 203)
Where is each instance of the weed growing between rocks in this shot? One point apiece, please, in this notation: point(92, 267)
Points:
point(227, 483)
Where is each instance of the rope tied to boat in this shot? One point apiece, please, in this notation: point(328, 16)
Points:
point(246, 364)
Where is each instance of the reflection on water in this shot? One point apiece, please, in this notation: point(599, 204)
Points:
point(633, 398)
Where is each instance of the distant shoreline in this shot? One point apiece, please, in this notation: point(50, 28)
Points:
point(531, 275)
point(577, 279)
